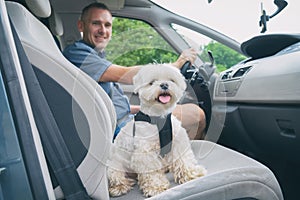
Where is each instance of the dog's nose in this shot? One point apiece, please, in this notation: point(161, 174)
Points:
point(164, 86)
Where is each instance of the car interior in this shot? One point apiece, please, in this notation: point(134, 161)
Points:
point(241, 158)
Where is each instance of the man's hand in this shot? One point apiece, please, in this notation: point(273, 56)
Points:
point(187, 55)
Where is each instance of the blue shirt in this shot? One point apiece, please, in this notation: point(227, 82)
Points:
point(94, 64)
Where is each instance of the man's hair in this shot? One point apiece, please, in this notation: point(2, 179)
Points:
point(86, 9)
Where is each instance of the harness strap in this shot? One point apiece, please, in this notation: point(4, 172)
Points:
point(164, 126)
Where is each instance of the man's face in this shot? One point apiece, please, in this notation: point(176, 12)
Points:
point(96, 28)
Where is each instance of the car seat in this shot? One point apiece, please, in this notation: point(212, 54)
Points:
point(231, 175)
point(82, 110)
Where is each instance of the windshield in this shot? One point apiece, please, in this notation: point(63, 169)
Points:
point(235, 18)
point(290, 49)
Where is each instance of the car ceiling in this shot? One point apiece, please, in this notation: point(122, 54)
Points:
point(68, 6)
point(68, 12)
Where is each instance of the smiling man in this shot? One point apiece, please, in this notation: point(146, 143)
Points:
point(96, 25)
point(88, 54)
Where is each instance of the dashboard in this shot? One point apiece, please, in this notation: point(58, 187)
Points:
point(270, 75)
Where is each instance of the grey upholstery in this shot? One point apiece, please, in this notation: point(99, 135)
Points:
point(55, 24)
point(75, 99)
point(39, 8)
point(231, 175)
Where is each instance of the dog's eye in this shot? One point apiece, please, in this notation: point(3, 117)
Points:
point(172, 80)
point(151, 83)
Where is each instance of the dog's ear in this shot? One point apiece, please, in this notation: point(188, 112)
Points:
point(136, 90)
point(136, 83)
point(182, 82)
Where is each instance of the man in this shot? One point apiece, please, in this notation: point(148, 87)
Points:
point(88, 54)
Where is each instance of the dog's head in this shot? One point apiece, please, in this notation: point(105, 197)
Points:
point(160, 87)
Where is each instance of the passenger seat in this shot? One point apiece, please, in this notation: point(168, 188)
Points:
point(83, 111)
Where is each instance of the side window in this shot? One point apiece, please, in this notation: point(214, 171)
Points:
point(135, 42)
point(223, 55)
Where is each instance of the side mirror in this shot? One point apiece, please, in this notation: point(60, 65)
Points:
point(281, 4)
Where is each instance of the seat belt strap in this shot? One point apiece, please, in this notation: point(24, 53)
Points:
point(56, 152)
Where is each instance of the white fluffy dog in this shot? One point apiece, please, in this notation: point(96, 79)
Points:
point(155, 142)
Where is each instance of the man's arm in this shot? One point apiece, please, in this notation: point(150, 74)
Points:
point(117, 73)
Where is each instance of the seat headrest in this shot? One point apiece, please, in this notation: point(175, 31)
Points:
point(30, 30)
point(40, 8)
point(55, 24)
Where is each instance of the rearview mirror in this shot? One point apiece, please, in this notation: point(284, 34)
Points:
point(281, 4)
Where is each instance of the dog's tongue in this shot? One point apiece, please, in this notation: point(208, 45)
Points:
point(164, 98)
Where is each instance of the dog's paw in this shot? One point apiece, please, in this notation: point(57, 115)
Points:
point(120, 189)
point(189, 174)
point(153, 184)
point(154, 190)
point(199, 171)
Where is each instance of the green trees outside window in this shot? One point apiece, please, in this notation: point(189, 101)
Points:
point(135, 42)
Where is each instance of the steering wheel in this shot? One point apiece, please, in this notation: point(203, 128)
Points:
point(200, 87)
point(187, 70)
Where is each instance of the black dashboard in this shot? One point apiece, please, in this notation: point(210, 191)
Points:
point(268, 45)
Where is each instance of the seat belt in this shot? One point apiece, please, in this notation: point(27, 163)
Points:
point(24, 132)
point(56, 151)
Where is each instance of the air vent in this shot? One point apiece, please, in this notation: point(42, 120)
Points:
point(241, 72)
point(226, 75)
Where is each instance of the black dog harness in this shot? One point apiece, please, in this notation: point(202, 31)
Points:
point(164, 126)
